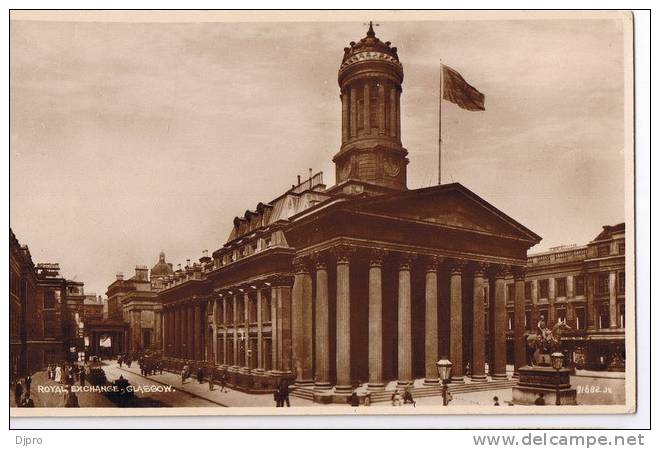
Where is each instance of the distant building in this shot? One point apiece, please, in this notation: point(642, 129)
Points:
point(45, 313)
point(585, 287)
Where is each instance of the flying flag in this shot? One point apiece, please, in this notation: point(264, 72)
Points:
point(456, 90)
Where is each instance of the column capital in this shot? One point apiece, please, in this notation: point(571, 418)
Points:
point(457, 266)
point(500, 271)
point(319, 259)
point(405, 260)
point(376, 257)
point(281, 280)
point(432, 263)
point(301, 265)
point(480, 268)
point(343, 253)
point(518, 272)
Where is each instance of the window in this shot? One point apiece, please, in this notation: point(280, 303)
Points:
point(240, 311)
point(49, 299)
point(622, 248)
point(560, 284)
point(604, 316)
point(252, 302)
point(621, 311)
point(265, 306)
point(579, 285)
point(510, 321)
point(622, 281)
point(603, 286)
point(603, 250)
point(580, 318)
point(528, 290)
point(561, 314)
point(543, 288)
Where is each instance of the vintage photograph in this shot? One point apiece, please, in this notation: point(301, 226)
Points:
point(288, 212)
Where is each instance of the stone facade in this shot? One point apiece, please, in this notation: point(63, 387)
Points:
point(585, 286)
point(364, 282)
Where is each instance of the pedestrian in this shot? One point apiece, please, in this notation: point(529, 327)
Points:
point(276, 397)
point(200, 375)
point(396, 398)
point(83, 376)
point(160, 367)
point(539, 400)
point(58, 374)
point(408, 398)
point(496, 401)
point(354, 400)
point(18, 393)
point(223, 382)
point(284, 394)
point(120, 360)
point(211, 378)
point(28, 383)
point(184, 374)
point(70, 400)
point(27, 401)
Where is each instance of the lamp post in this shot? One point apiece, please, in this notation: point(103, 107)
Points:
point(557, 363)
point(444, 373)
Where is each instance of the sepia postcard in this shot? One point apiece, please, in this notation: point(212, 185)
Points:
point(321, 213)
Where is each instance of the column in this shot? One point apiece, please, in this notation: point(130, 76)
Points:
point(214, 327)
point(353, 111)
point(381, 107)
point(591, 313)
point(404, 322)
point(366, 114)
point(301, 301)
point(260, 332)
point(479, 325)
point(570, 287)
point(197, 327)
point(612, 289)
point(322, 365)
point(190, 330)
point(535, 301)
point(345, 119)
point(158, 328)
point(282, 294)
point(274, 325)
point(225, 328)
point(166, 332)
point(519, 342)
point(393, 110)
point(456, 317)
point(552, 296)
point(499, 337)
point(397, 114)
point(376, 320)
point(234, 300)
point(431, 322)
point(177, 331)
point(247, 355)
point(344, 385)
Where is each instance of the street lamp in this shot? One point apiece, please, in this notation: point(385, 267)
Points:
point(557, 363)
point(444, 372)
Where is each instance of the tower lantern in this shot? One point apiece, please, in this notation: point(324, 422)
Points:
point(372, 158)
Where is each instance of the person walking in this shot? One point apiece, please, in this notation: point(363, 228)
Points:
point(200, 374)
point(18, 393)
point(27, 401)
point(223, 382)
point(83, 376)
point(354, 400)
point(284, 394)
point(58, 374)
point(28, 383)
point(211, 378)
point(71, 400)
point(120, 360)
point(408, 397)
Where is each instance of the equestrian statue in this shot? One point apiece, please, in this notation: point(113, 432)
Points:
point(544, 342)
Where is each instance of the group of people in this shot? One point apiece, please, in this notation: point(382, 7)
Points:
point(67, 374)
point(402, 399)
point(281, 394)
point(124, 358)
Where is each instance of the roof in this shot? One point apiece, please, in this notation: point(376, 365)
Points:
point(609, 231)
point(161, 268)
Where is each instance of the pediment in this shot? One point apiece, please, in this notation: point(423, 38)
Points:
point(450, 205)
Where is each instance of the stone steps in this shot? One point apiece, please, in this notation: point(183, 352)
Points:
point(422, 391)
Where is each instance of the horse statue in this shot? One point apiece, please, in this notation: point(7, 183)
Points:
point(543, 343)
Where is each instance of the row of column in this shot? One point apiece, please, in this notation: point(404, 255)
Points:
point(185, 330)
point(387, 110)
point(226, 304)
point(302, 332)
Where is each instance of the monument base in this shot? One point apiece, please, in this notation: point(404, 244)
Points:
point(544, 381)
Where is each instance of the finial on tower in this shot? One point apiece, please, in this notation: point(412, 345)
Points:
point(371, 32)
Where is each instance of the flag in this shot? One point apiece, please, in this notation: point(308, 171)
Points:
point(456, 90)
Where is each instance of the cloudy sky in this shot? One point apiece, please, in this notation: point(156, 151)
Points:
point(129, 138)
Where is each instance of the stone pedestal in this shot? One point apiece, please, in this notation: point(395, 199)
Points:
point(536, 380)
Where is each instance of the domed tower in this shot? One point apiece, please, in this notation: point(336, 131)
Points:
point(371, 158)
point(160, 272)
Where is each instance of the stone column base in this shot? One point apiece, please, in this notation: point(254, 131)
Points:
point(322, 386)
point(479, 378)
point(458, 380)
point(499, 377)
point(431, 382)
point(376, 386)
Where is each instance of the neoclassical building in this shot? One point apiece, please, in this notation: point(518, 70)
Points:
point(366, 281)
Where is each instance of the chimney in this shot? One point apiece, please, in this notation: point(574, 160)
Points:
point(141, 273)
point(187, 263)
point(298, 179)
point(120, 276)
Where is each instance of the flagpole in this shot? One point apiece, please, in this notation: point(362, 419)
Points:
point(440, 125)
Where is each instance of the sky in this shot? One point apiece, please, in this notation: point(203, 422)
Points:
point(132, 138)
